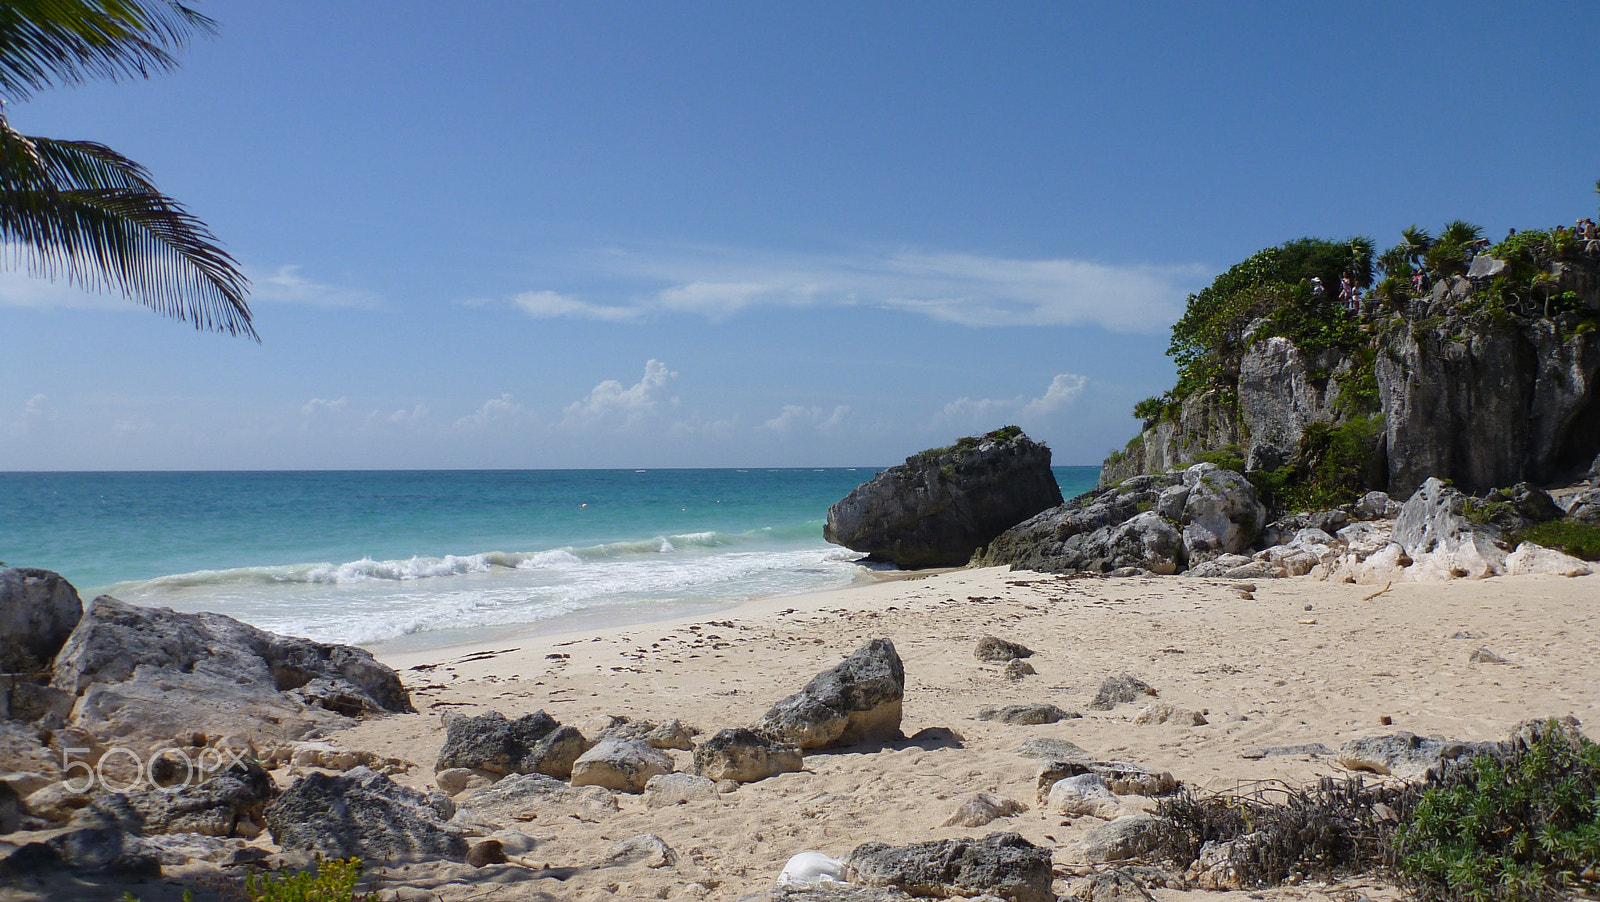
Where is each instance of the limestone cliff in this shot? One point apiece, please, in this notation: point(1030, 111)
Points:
point(1468, 381)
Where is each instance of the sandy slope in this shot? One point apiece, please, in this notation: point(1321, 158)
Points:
point(1302, 662)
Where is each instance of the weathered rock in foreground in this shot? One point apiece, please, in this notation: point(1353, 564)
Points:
point(38, 610)
point(152, 673)
point(1001, 864)
point(532, 744)
point(940, 506)
point(858, 700)
point(1434, 531)
point(625, 765)
point(744, 756)
point(363, 814)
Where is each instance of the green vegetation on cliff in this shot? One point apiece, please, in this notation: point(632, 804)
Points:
point(1276, 285)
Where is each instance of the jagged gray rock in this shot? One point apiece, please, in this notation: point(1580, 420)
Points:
point(745, 756)
point(1221, 514)
point(666, 735)
point(1434, 531)
point(857, 700)
point(532, 744)
point(230, 803)
point(1001, 864)
point(38, 610)
point(666, 790)
point(150, 673)
point(363, 814)
point(940, 506)
point(1122, 777)
point(1050, 750)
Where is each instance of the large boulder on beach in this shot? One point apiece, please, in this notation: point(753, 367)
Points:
point(363, 814)
point(1436, 533)
point(532, 744)
point(1001, 864)
point(857, 700)
point(151, 673)
point(1221, 514)
point(38, 610)
point(940, 506)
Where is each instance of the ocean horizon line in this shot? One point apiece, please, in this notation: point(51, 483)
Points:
point(476, 469)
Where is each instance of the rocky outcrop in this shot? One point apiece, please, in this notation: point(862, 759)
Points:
point(152, 673)
point(532, 744)
point(38, 610)
point(1000, 864)
point(365, 815)
point(745, 756)
point(857, 700)
point(1157, 523)
point(940, 506)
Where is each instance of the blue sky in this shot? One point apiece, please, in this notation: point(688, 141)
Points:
point(755, 234)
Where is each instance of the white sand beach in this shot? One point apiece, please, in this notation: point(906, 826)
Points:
point(1301, 662)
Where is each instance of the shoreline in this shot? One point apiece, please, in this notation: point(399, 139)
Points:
point(1252, 685)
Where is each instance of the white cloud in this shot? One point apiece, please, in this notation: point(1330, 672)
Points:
point(491, 411)
point(550, 305)
point(286, 286)
point(315, 405)
point(987, 412)
point(609, 402)
point(1064, 389)
point(716, 300)
point(796, 417)
point(966, 289)
point(412, 417)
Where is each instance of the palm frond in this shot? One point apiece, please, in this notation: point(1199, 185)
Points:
point(44, 43)
point(1459, 231)
point(81, 210)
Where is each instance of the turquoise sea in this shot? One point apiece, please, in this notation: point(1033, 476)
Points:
point(413, 559)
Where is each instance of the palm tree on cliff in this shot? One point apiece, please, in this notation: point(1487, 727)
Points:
point(1417, 241)
point(80, 209)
